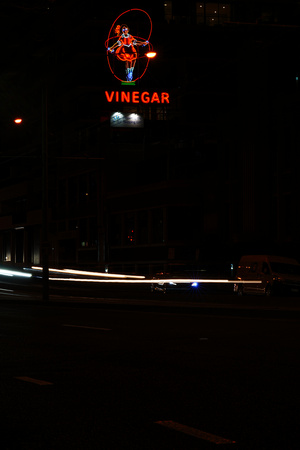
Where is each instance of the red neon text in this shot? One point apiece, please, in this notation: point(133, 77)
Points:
point(137, 97)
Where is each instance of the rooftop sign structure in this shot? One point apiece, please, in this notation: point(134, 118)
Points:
point(128, 54)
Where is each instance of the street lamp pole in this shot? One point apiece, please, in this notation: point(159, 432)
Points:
point(45, 244)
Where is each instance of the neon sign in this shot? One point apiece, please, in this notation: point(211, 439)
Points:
point(124, 50)
point(137, 97)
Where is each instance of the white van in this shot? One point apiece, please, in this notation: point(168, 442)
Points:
point(276, 275)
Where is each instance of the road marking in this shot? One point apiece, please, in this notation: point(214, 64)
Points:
point(194, 432)
point(88, 328)
point(34, 380)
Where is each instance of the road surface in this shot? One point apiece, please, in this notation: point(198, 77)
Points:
point(90, 378)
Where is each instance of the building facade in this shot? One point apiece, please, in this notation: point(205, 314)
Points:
point(144, 183)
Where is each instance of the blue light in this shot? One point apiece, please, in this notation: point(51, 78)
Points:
point(194, 284)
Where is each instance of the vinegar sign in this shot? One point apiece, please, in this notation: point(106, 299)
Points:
point(137, 97)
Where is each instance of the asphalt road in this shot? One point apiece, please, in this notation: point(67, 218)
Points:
point(146, 380)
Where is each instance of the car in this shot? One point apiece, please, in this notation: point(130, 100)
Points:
point(165, 282)
point(274, 275)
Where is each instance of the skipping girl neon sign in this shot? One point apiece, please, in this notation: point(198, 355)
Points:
point(125, 49)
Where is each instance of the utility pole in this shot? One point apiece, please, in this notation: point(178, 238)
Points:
point(45, 243)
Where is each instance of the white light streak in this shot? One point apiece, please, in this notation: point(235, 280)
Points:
point(14, 273)
point(166, 281)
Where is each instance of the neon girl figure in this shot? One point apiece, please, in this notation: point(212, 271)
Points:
point(125, 49)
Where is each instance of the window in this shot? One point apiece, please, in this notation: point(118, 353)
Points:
point(161, 113)
point(20, 210)
point(115, 230)
point(62, 194)
point(93, 186)
point(285, 268)
point(212, 13)
point(93, 232)
point(62, 225)
point(83, 189)
point(72, 191)
point(157, 226)
point(168, 11)
point(142, 222)
point(7, 246)
point(129, 229)
point(83, 233)
point(200, 12)
point(73, 225)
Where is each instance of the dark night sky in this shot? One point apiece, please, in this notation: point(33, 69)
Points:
point(28, 27)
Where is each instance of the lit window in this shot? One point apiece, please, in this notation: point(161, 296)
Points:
point(212, 13)
point(200, 10)
point(168, 11)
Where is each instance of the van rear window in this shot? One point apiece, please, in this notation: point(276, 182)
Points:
point(288, 269)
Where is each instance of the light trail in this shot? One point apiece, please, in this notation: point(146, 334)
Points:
point(195, 432)
point(34, 381)
point(94, 274)
point(14, 273)
point(104, 277)
point(166, 281)
point(86, 327)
